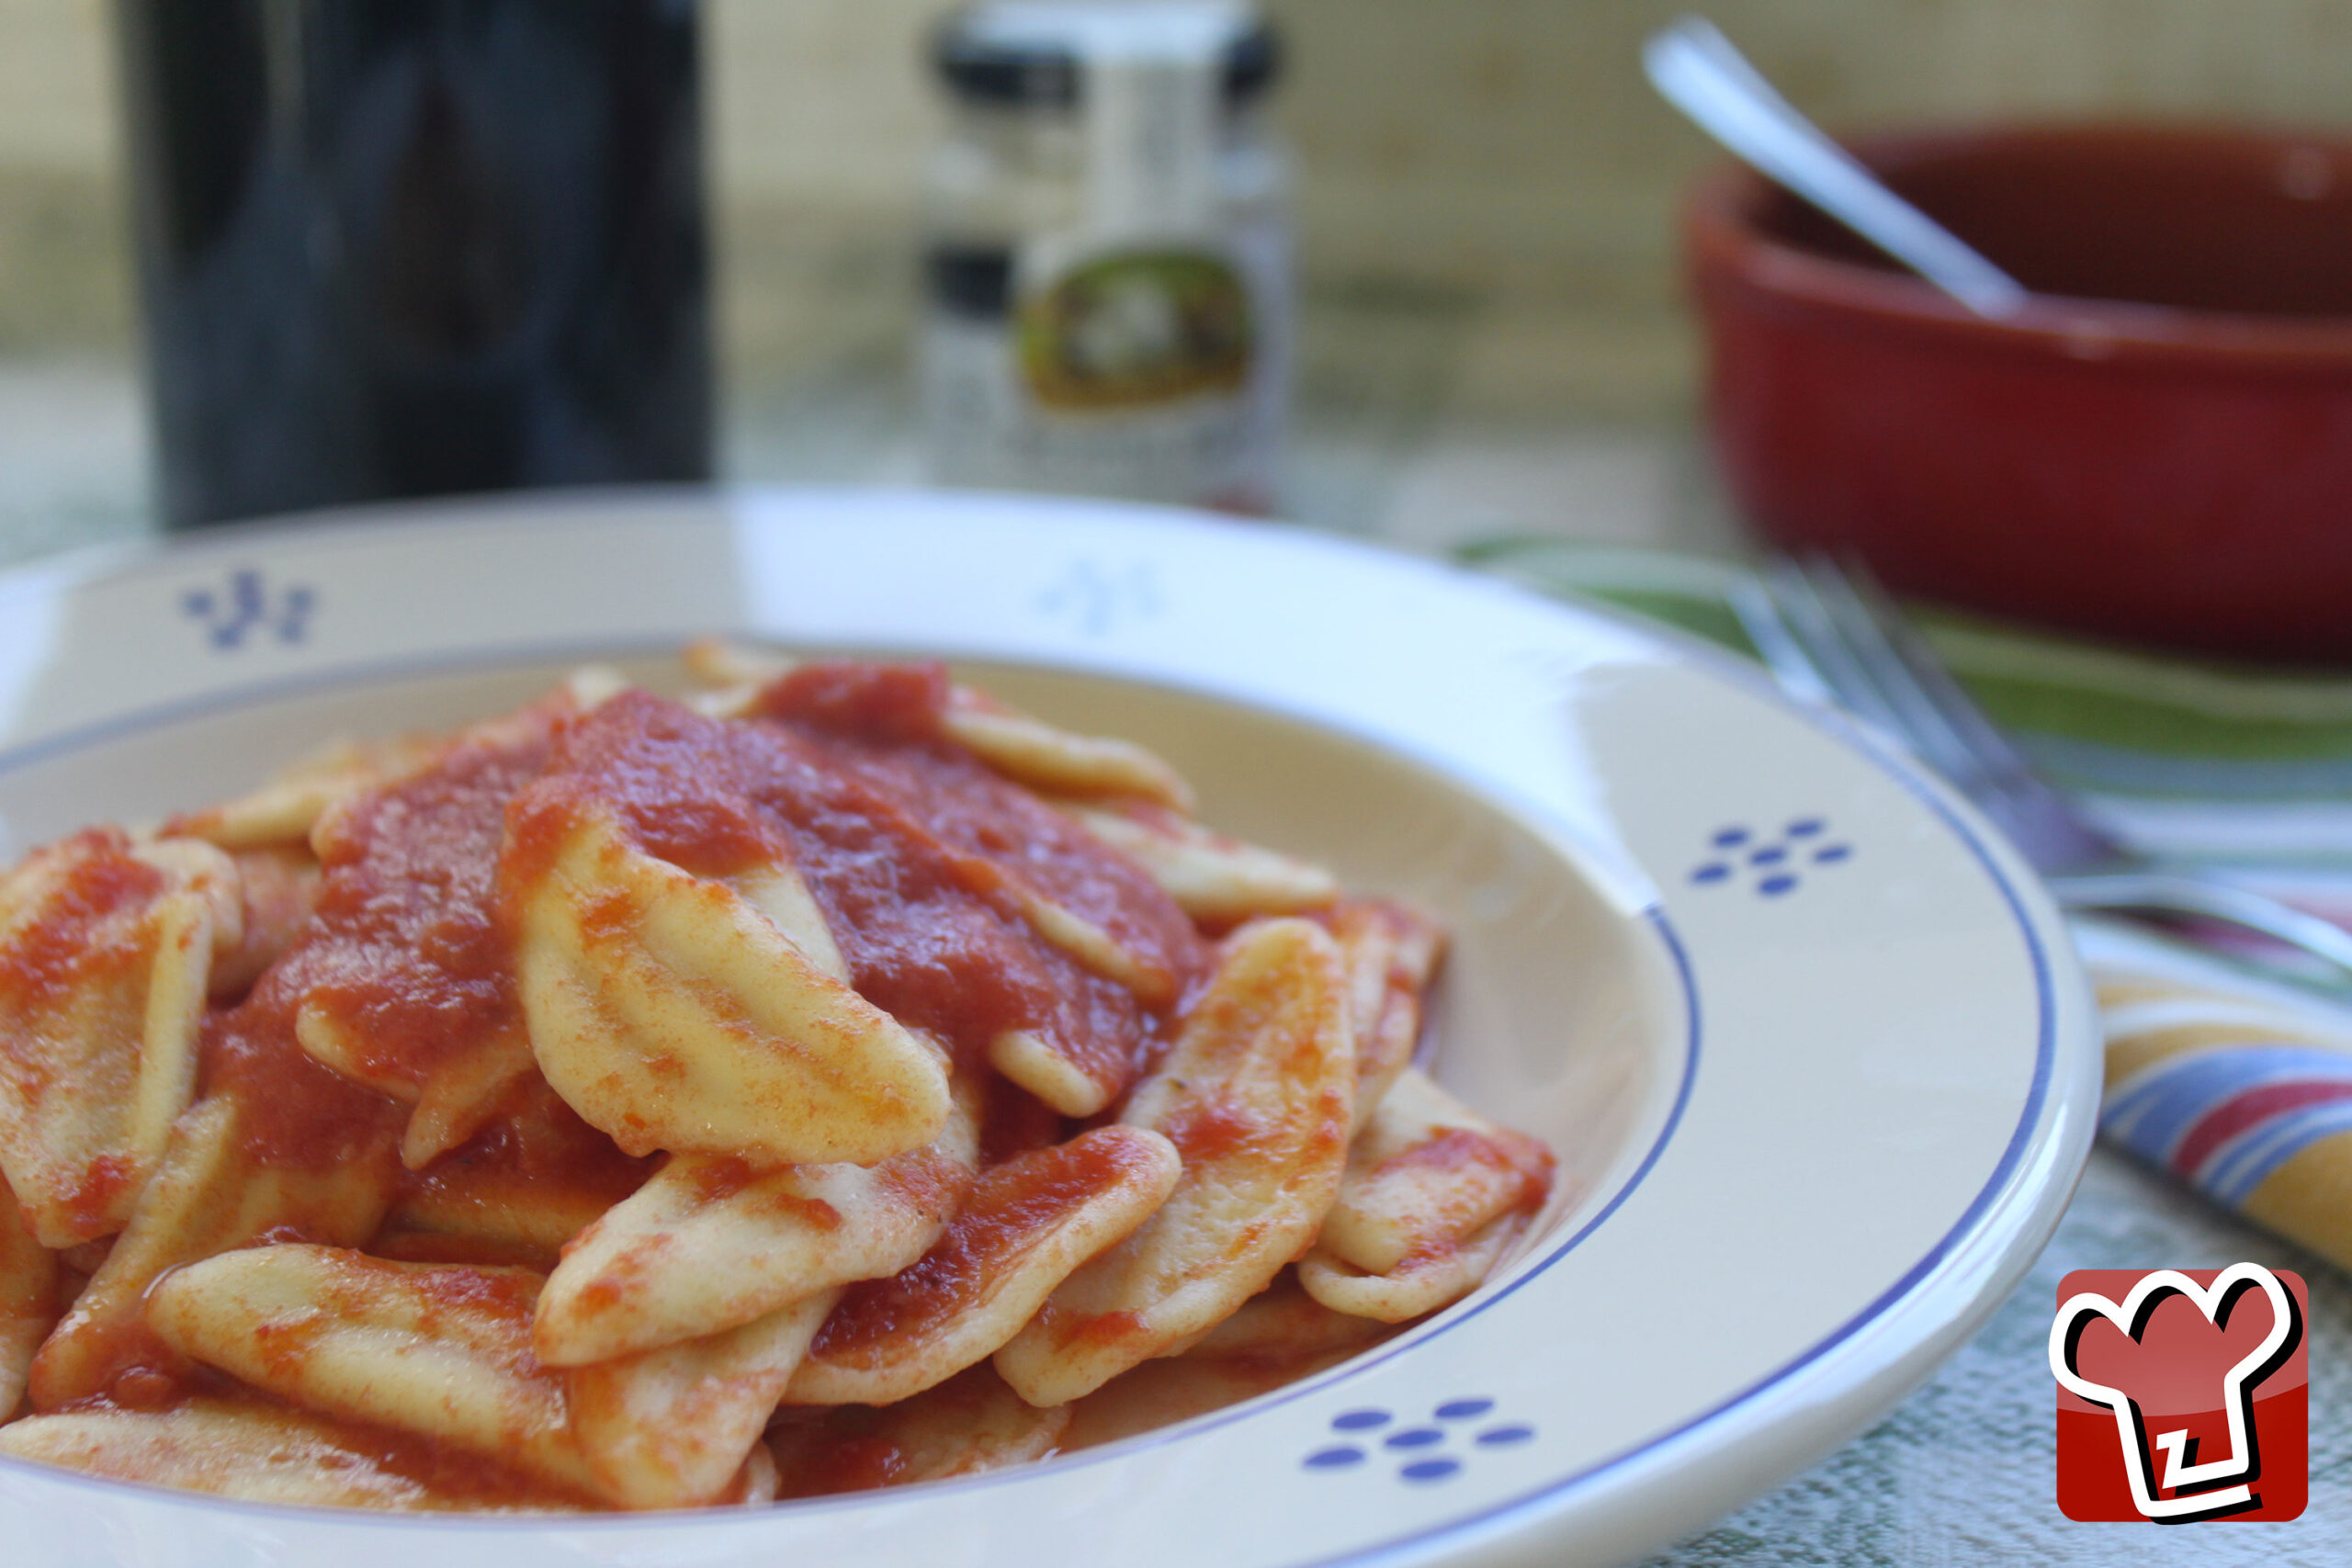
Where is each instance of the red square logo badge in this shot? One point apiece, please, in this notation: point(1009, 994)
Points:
point(2183, 1394)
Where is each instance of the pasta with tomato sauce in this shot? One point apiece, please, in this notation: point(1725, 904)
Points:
point(830, 1079)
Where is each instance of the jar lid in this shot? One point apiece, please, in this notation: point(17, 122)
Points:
point(1024, 53)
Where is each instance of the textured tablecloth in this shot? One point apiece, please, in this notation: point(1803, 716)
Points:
point(1960, 1473)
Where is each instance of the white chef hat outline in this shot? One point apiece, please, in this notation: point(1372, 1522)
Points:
point(2222, 1486)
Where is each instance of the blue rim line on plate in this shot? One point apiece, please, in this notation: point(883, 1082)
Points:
point(110, 566)
point(486, 659)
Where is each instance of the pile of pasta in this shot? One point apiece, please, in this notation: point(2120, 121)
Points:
point(831, 1078)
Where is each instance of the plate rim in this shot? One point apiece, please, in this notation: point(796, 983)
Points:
point(1511, 1518)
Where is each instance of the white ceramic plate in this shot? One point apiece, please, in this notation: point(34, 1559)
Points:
point(1808, 1037)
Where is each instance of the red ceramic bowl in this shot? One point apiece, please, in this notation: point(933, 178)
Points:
point(2158, 450)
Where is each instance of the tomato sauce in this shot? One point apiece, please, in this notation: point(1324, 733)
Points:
point(86, 928)
point(1016, 1122)
point(893, 704)
point(404, 949)
point(535, 1154)
point(971, 1422)
point(293, 1113)
point(822, 1452)
point(907, 848)
point(1010, 1210)
point(1105, 1328)
point(1521, 1165)
point(278, 887)
point(132, 1370)
point(453, 1476)
point(97, 1195)
point(999, 831)
point(1216, 1128)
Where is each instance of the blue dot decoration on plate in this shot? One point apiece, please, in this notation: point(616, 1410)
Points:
point(1421, 1446)
point(1770, 863)
point(1336, 1457)
point(247, 607)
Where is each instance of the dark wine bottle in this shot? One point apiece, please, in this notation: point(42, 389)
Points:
point(412, 247)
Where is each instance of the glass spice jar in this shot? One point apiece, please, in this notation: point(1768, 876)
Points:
point(1107, 254)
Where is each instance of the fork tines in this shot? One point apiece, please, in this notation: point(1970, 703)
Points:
point(1831, 632)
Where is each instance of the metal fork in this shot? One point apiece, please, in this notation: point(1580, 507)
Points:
point(1833, 636)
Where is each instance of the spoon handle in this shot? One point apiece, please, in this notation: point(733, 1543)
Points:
point(1699, 71)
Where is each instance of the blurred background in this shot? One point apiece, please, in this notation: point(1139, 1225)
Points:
point(1492, 335)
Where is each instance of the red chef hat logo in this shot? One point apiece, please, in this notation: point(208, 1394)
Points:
point(2182, 1395)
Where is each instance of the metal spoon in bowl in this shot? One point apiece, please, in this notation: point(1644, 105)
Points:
point(1698, 71)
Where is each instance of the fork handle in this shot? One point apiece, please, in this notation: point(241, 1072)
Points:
point(2177, 893)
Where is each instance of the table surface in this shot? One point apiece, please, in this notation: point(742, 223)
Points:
point(1960, 1473)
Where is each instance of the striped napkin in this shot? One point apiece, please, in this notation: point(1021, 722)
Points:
point(2233, 1076)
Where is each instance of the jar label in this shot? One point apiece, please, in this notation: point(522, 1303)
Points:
point(1156, 372)
point(1133, 329)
